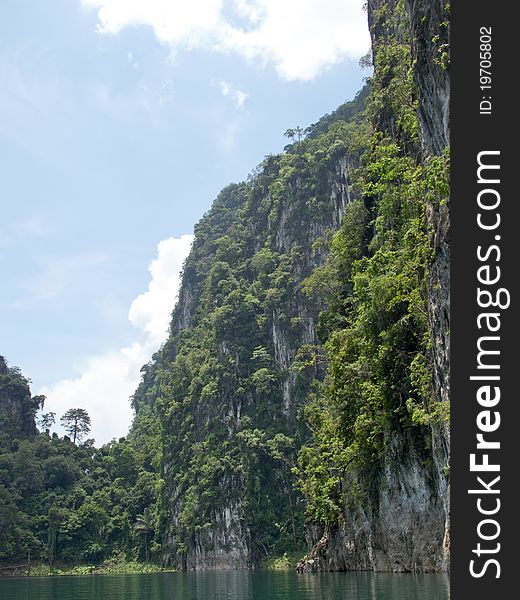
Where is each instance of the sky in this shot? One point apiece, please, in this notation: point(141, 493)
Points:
point(120, 121)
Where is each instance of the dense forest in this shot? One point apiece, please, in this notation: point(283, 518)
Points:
point(71, 501)
point(300, 404)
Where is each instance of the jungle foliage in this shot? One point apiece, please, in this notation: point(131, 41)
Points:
point(67, 502)
point(243, 408)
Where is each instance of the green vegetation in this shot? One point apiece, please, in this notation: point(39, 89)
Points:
point(228, 402)
point(115, 566)
point(249, 406)
point(283, 563)
point(299, 348)
point(375, 328)
point(75, 421)
point(71, 503)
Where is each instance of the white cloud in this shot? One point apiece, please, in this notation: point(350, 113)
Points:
point(300, 37)
point(151, 310)
point(174, 22)
point(238, 96)
point(133, 62)
point(303, 37)
point(107, 381)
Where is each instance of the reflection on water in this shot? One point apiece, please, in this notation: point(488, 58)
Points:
point(229, 585)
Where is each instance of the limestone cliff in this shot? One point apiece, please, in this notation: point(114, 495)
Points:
point(430, 50)
point(310, 340)
point(404, 523)
point(17, 407)
point(225, 383)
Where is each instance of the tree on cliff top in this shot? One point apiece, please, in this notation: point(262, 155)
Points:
point(76, 422)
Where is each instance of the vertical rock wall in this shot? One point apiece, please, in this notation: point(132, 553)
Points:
point(235, 414)
point(403, 524)
point(430, 50)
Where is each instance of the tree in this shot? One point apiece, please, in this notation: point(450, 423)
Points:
point(295, 134)
point(54, 517)
point(145, 525)
point(76, 422)
point(46, 421)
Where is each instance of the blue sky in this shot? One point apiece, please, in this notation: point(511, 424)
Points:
point(120, 121)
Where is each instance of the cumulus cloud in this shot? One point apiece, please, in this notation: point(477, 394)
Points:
point(151, 310)
point(107, 381)
point(300, 38)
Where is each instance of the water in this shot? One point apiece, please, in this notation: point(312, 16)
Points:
point(228, 585)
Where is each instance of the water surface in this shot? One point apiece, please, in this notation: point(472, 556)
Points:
point(228, 585)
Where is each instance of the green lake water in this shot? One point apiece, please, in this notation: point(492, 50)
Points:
point(228, 585)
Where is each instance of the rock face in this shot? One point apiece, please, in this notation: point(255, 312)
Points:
point(17, 406)
point(400, 529)
point(430, 49)
point(224, 384)
point(404, 524)
point(222, 536)
point(225, 545)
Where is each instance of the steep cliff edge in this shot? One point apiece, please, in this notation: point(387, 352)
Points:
point(303, 392)
point(17, 406)
point(226, 384)
point(386, 507)
point(431, 52)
